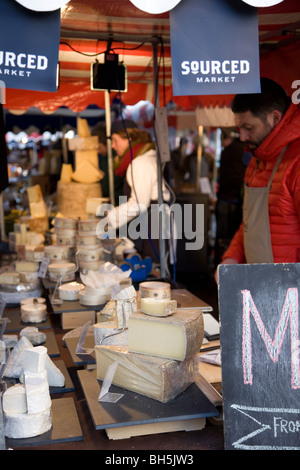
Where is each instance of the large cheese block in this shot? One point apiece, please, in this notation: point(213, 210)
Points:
point(71, 197)
point(22, 426)
point(178, 336)
point(35, 336)
point(154, 377)
point(103, 330)
point(14, 399)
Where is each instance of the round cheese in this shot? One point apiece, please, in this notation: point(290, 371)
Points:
point(21, 426)
point(33, 313)
point(70, 291)
point(86, 298)
point(155, 289)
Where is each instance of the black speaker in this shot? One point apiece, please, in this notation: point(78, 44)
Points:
point(110, 75)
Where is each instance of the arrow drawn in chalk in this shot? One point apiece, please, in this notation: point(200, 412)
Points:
point(246, 410)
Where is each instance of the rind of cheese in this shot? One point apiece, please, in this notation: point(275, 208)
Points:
point(35, 336)
point(14, 400)
point(87, 173)
point(14, 365)
point(103, 329)
point(178, 336)
point(22, 426)
point(154, 377)
point(158, 307)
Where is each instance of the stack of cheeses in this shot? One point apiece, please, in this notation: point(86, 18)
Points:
point(75, 187)
point(27, 405)
point(20, 283)
point(24, 239)
point(158, 359)
point(89, 245)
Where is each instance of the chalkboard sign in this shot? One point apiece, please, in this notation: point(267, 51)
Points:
point(259, 315)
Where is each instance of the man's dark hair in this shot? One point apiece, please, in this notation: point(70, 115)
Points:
point(272, 97)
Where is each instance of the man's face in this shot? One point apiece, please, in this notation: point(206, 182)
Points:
point(254, 130)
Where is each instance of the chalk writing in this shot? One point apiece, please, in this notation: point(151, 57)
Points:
point(290, 313)
point(277, 421)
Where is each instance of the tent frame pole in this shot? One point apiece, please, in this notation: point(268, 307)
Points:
point(162, 246)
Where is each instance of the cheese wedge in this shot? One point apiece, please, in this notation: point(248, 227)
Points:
point(154, 377)
point(86, 172)
point(66, 172)
point(158, 307)
point(86, 155)
point(178, 336)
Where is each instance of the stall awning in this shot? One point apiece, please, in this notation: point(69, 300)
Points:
point(88, 25)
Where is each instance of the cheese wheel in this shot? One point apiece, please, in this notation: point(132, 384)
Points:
point(70, 291)
point(61, 268)
point(88, 298)
point(154, 377)
point(22, 426)
point(178, 336)
point(63, 223)
point(158, 307)
point(33, 313)
point(156, 289)
point(14, 399)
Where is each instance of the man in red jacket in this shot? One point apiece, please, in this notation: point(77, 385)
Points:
point(270, 232)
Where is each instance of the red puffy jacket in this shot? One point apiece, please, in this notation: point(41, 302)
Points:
point(284, 198)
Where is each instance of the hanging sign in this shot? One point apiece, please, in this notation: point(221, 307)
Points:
point(214, 48)
point(259, 316)
point(29, 47)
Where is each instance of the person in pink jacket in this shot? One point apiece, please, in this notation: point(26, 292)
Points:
point(270, 231)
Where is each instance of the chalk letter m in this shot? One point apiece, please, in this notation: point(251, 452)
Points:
point(289, 313)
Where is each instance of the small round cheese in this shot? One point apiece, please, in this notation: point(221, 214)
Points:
point(70, 291)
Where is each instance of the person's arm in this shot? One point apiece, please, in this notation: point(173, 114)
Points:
point(141, 171)
point(235, 252)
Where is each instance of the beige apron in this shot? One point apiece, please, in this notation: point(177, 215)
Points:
point(257, 236)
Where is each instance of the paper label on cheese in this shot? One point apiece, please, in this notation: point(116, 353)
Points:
point(178, 336)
